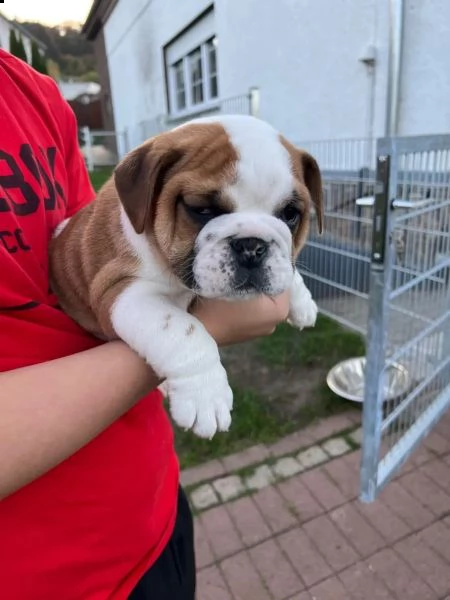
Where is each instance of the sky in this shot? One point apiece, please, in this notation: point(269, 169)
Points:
point(49, 12)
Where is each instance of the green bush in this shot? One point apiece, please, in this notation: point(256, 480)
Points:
point(38, 62)
point(16, 46)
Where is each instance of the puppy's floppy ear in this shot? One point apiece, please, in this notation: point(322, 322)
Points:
point(140, 178)
point(313, 181)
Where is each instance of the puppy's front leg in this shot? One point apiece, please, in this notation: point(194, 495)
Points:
point(303, 309)
point(179, 349)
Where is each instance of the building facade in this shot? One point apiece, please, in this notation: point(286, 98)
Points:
point(324, 70)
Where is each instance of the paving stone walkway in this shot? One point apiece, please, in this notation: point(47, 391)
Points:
point(305, 535)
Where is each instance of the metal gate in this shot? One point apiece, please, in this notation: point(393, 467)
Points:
point(382, 269)
point(409, 304)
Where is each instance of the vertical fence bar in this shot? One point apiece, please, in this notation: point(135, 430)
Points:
point(126, 141)
point(445, 377)
point(88, 143)
point(363, 177)
point(381, 264)
point(254, 101)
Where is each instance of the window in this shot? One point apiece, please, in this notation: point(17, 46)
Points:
point(212, 67)
point(196, 76)
point(193, 78)
point(191, 67)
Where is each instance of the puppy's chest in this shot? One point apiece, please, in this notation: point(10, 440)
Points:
point(164, 284)
point(181, 300)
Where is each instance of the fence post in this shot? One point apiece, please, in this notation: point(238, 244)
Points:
point(254, 101)
point(380, 282)
point(126, 141)
point(446, 332)
point(363, 176)
point(88, 144)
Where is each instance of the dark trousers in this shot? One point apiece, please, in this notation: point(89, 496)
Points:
point(172, 577)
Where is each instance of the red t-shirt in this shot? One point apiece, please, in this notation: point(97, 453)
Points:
point(89, 528)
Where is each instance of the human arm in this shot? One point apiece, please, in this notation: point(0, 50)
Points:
point(235, 322)
point(50, 410)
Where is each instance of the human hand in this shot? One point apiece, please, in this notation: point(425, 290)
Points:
point(231, 322)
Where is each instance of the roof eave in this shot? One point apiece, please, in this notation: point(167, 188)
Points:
point(96, 18)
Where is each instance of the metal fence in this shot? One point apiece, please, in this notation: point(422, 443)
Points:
point(343, 156)
point(336, 265)
point(101, 148)
point(383, 269)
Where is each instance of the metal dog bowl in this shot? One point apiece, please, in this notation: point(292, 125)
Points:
point(346, 379)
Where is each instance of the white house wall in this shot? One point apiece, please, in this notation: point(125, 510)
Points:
point(304, 55)
point(425, 84)
point(305, 58)
point(4, 34)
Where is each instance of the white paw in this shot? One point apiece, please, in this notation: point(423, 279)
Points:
point(303, 314)
point(202, 402)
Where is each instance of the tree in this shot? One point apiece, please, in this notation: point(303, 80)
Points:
point(16, 46)
point(12, 42)
point(37, 60)
point(21, 52)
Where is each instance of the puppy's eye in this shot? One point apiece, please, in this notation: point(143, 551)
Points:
point(202, 214)
point(204, 211)
point(290, 214)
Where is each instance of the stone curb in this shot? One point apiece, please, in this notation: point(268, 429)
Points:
point(224, 486)
point(316, 432)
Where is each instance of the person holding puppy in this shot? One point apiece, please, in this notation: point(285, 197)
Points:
point(91, 506)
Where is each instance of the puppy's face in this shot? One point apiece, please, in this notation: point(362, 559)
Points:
point(225, 201)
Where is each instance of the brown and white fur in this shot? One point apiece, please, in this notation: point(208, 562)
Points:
point(174, 222)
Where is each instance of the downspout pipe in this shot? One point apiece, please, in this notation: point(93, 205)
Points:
point(396, 22)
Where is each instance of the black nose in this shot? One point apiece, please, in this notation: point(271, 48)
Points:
point(249, 252)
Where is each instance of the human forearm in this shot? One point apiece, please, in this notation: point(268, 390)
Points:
point(49, 411)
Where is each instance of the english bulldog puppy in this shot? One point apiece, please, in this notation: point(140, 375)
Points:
point(219, 208)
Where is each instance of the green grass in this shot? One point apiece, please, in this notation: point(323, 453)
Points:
point(255, 420)
point(253, 423)
point(323, 345)
point(99, 177)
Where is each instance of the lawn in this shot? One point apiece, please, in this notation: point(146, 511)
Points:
point(99, 177)
point(278, 382)
point(279, 386)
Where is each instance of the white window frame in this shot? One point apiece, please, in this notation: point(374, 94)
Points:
point(209, 102)
point(174, 88)
point(201, 83)
point(208, 75)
